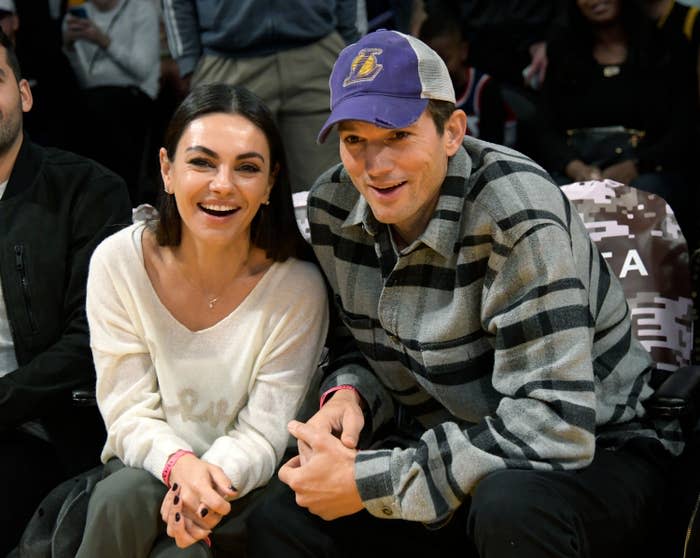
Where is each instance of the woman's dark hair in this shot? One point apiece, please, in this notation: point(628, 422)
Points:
point(635, 22)
point(274, 228)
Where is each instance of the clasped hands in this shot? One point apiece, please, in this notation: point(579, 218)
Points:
point(197, 500)
point(623, 172)
point(323, 473)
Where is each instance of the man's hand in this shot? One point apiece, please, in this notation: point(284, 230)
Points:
point(341, 416)
point(325, 482)
point(537, 69)
point(199, 502)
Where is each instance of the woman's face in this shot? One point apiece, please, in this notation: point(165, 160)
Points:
point(600, 11)
point(220, 175)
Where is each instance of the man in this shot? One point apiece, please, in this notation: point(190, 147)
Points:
point(282, 51)
point(55, 207)
point(491, 389)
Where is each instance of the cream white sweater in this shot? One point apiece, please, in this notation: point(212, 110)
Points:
point(225, 392)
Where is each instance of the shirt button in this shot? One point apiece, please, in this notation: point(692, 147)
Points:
point(387, 511)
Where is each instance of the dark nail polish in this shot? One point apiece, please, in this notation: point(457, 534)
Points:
point(175, 487)
point(177, 516)
point(204, 512)
point(176, 500)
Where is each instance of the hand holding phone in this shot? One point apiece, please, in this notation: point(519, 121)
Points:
point(78, 11)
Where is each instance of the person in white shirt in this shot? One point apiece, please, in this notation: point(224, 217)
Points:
point(206, 328)
point(113, 47)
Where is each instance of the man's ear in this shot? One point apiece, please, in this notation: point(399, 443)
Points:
point(25, 95)
point(455, 128)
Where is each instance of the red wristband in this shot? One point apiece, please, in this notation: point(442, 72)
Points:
point(170, 463)
point(327, 393)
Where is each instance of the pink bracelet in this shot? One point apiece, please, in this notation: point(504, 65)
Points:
point(170, 463)
point(327, 393)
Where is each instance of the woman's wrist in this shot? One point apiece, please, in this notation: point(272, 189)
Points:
point(170, 463)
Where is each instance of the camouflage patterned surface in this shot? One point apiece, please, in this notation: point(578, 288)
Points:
point(640, 239)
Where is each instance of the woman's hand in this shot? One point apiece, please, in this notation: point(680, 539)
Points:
point(625, 172)
point(578, 171)
point(198, 501)
point(80, 28)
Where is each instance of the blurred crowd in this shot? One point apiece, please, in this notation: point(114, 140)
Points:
point(588, 88)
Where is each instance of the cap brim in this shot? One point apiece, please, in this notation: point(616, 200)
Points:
point(381, 110)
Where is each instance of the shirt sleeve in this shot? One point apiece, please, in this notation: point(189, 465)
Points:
point(139, 57)
point(182, 31)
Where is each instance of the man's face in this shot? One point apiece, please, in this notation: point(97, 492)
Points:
point(15, 99)
point(400, 171)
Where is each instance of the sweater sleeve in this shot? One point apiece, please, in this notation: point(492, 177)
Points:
point(127, 389)
point(251, 450)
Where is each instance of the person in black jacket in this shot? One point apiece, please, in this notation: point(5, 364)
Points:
point(55, 207)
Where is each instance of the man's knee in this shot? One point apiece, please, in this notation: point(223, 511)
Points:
point(512, 506)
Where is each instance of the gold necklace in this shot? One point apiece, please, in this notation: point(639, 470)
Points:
point(212, 302)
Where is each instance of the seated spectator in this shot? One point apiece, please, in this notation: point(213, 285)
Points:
point(483, 390)
point(614, 104)
point(477, 93)
point(206, 328)
point(114, 50)
point(55, 208)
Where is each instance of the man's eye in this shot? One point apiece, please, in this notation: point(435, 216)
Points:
point(351, 139)
point(401, 134)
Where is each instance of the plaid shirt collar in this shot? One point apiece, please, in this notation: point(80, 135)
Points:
point(441, 234)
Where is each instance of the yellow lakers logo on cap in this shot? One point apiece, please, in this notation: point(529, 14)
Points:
point(364, 67)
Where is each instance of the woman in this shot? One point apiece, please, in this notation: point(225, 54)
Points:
point(206, 329)
point(613, 76)
point(113, 48)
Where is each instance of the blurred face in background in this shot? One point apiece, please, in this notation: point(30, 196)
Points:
point(9, 23)
point(454, 50)
point(600, 12)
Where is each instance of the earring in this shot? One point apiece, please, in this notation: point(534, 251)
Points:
point(266, 202)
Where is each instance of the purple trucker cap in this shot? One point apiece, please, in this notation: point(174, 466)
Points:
point(386, 79)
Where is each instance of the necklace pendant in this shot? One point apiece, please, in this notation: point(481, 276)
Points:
point(212, 302)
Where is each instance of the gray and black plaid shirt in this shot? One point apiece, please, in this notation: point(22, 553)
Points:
point(498, 339)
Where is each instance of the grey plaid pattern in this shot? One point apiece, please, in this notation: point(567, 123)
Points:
point(498, 339)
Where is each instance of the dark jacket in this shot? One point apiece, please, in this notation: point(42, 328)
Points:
point(57, 207)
